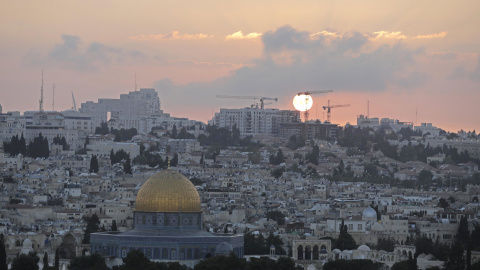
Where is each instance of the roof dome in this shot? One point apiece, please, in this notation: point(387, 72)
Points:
point(369, 213)
point(363, 248)
point(27, 243)
point(168, 191)
point(377, 227)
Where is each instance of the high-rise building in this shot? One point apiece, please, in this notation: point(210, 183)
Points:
point(255, 121)
point(127, 112)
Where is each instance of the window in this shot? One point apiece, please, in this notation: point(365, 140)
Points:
point(359, 227)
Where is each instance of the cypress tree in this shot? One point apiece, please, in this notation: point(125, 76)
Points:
point(127, 166)
point(94, 164)
point(3, 253)
point(57, 259)
point(45, 261)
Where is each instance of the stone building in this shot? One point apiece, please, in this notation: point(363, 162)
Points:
point(168, 226)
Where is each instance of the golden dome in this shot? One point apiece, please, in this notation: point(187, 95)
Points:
point(168, 191)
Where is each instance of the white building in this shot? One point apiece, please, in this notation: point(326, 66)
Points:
point(128, 111)
point(255, 121)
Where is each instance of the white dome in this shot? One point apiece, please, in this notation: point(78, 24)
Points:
point(369, 213)
point(377, 227)
point(27, 243)
point(311, 267)
point(336, 251)
point(363, 248)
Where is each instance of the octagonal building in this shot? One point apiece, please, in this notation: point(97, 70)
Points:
point(167, 226)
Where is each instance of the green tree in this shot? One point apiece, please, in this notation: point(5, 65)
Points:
point(463, 235)
point(90, 262)
point(345, 240)
point(45, 261)
point(94, 164)
point(278, 216)
point(3, 253)
point(87, 142)
point(25, 262)
point(92, 226)
point(135, 259)
point(352, 265)
point(456, 260)
point(114, 226)
point(174, 132)
point(443, 203)
point(127, 166)
point(57, 257)
point(231, 262)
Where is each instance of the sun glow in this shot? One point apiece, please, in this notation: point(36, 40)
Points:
point(302, 102)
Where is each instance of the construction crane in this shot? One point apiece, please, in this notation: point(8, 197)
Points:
point(329, 107)
point(74, 104)
point(307, 99)
point(262, 104)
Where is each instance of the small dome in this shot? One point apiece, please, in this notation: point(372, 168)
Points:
point(311, 267)
point(168, 191)
point(336, 251)
point(377, 227)
point(369, 213)
point(363, 248)
point(27, 243)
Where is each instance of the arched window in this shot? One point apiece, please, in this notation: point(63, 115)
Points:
point(308, 253)
point(315, 252)
point(300, 252)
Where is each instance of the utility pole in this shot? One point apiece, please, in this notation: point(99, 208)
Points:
point(53, 97)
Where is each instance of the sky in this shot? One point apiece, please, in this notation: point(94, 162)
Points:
point(415, 61)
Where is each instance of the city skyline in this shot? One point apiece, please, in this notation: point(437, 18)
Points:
point(403, 57)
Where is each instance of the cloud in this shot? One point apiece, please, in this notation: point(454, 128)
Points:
point(326, 34)
point(349, 62)
point(431, 36)
point(239, 35)
point(203, 63)
point(462, 72)
point(175, 35)
point(387, 35)
point(70, 55)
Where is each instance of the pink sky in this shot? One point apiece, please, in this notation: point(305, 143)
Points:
point(402, 56)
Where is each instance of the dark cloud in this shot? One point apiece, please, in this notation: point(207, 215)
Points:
point(69, 54)
point(346, 63)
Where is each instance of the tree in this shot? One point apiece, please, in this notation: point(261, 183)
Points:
point(25, 262)
point(87, 142)
point(3, 253)
point(94, 164)
point(90, 262)
point(57, 257)
point(278, 216)
point(345, 240)
point(127, 166)
point(45, 261)
point(463, 235)
point(135, 259)
point(278, 158)
point(352, 265)
point(92, 226)
point(455, 260)
point(174, 132)
point(114, 226)
point(443, 203)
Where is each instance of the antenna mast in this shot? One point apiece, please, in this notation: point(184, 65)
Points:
point(53, 99)
point(41, 96)
point(135, 81)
